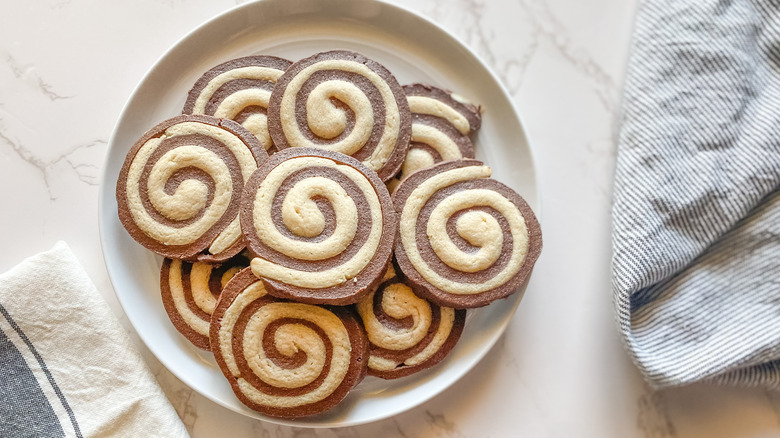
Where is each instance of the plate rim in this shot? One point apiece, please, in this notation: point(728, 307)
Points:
point(102, 227)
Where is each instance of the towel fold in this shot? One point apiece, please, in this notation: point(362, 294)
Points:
point(696, 215)
point(69, 368)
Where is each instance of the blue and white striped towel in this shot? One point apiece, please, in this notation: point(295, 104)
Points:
point(69, 369)
point(696, 216)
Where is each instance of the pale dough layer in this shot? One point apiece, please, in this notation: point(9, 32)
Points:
point(434, 107)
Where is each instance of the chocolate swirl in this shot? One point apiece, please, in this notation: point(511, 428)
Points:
point(281, 358)
point(464, 239)
point(190, 291)
point(179, 189)
point(343, 102)
point(320, 224)
point(239, 90)
point(406, 333)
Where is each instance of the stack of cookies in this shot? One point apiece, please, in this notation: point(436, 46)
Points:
point(321, 223)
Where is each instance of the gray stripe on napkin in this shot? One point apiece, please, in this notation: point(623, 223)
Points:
point(25, 411)
point(696, 252)
point(30, 387)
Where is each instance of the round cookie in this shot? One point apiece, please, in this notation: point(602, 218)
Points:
point(239, 90)
point(285, 359)
point(179, 189)
point(190, 291)
point(342, 101)
point(320, 225)
point(427, 99)
point(464, 239)
point(406, 333)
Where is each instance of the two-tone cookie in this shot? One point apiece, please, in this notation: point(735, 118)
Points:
point(441, 125)
point(285, 359)
point(342, 101)
point(239, 90)
point(180, 187)
point(319, 224)
point(406, 333)
point(190, 291)
point(429, 100)
point(464, 239)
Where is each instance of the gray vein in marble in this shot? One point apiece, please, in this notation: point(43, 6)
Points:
point(86, 173)
point(399, 429)
point(441, 424)
point(475, 35)
point(22, 71)
point(547, 24)
point(653, 419)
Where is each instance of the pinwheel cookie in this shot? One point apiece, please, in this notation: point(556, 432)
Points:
point(441, 126)
point(180, 187)
point(320, 225)
point(464, 239)
point(406, 333)
point(190, 291)
point(342, 101)
point(239, 90)
point(282, 358)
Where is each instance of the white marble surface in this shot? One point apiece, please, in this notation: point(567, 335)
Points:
point(68, 66)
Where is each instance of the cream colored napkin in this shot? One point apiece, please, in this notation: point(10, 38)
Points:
point(68, 368)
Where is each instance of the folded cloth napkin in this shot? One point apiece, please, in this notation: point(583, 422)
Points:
point(68, 368)
point(696, 215)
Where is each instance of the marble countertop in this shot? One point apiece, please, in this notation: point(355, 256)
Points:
point(68, 66)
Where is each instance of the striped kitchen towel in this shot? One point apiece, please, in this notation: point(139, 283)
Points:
point(696, 215)
point(68, 368)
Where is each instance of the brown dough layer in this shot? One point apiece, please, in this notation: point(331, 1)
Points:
point(214, 285)
point(424, 288)
point(235, 85)
point(395, 324)
point(472, 113)
point(197, 250)
point(352, 290)
point(355, 372)
point(393, 164)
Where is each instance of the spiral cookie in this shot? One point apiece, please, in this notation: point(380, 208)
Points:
point(179, 189)
point(344, 102)
point(464, 239)
point(239, 90)
point(406, 333)
point(281, 358)
point(427, 99)
point(190, 292)
point(320, 224)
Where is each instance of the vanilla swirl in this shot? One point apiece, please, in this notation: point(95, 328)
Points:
point(407, 333)
point(239, 90)
point(440, 103)
point(284, 358)
point(464, 234)
point(180, 187)
point(190, 292)
point(342, 102)
point(320, 225)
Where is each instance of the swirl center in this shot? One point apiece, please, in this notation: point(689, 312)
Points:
point(191, 195)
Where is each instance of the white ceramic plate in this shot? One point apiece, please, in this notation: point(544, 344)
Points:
point(415, 50)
